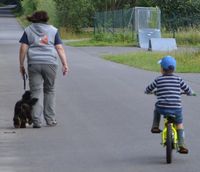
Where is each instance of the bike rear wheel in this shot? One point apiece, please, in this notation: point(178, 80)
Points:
point(169, 144)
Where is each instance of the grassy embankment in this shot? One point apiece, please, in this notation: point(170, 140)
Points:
point(187, 62)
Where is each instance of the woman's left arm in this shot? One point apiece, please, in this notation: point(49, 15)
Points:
point(61, 52)
point(22, 54)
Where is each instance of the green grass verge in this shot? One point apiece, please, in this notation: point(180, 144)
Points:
point(187, 62)
point(190, 37)
point(107, 39)
point(70, 35)
point(22, 21)
point(97, 43)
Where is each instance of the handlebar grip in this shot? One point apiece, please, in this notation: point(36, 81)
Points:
point(194, 94)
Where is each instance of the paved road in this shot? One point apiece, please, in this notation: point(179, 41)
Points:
point(103, 117)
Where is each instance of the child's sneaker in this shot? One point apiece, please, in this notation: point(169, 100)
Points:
point(156, 130)
point(183, 150)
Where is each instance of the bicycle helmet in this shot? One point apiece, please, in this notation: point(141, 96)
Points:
point(168, 63)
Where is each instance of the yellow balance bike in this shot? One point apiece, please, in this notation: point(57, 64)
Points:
point(169, 136)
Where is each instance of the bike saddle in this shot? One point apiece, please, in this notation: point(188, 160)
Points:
point(170, 118)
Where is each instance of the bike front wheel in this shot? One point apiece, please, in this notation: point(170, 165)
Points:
point(169, 144)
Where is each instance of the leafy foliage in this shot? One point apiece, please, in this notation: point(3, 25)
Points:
point(179, 13)
point(50, 7)
point(29, 6)
point(79, 13)
point(74, 14)
point(105, 5)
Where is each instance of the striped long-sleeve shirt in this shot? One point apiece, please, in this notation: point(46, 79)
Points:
point(168, 90)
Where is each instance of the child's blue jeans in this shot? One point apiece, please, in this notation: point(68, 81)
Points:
point(166, 111)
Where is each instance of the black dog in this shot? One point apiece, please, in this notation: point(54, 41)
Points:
point(22, 112)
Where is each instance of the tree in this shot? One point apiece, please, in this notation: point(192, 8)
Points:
point(74, 14)
point(106, 5)
point(29, 6)
point(179, 13)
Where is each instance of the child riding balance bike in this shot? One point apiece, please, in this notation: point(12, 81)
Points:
point(168, 91)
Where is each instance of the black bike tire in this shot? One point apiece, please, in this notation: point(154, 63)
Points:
point(169, 143)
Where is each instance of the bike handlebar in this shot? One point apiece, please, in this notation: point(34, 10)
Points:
point(155, 93)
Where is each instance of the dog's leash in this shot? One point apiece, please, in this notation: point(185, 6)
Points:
point(25, 77)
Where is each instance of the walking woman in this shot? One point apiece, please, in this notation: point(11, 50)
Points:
point(42, 46)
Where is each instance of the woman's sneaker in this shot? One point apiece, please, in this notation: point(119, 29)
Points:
point(36, 126)
point(52, 123)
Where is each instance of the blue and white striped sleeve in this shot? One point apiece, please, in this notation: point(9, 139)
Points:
point(151, 87)
point(185, 87)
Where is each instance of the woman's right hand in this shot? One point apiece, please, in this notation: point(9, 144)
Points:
point(65, 69)
point(22, 70)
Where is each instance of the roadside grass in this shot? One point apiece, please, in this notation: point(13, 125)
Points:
point(70, 35)
point(22, 21)
point(92, 42)
point(190, 37)
point(187, 62)
point(106, 39)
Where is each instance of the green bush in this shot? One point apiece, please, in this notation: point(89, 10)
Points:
point(29, 6)
point(117, 37)
point(186, 37)
point(50, 7)
point(74, 14)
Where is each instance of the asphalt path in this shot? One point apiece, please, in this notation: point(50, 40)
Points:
point(104, 118)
